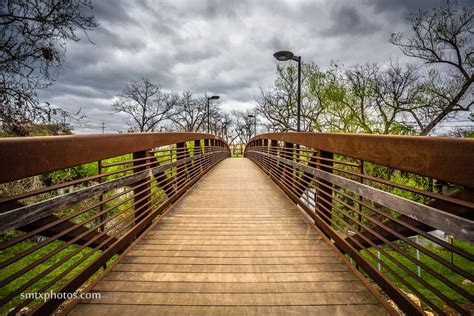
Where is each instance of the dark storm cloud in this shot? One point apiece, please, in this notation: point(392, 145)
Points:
point(349, 21)
point(212, 46)
point(112, 12)
point(404, 5)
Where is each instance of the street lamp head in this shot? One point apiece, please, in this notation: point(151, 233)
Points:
point(283, 55)
point(214, 97)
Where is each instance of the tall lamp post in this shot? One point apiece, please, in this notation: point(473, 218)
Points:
point(284, 55)
point(255, 122)
point(214, 97)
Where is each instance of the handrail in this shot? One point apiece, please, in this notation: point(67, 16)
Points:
point(49, 153)
point(67, 238)
point(376, 197)
point(442, 158)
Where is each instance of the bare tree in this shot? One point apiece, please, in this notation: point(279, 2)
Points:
point(225, 125)
point(244, 125)
point(361, 101)
point(442, 37)
point(278, 106)
point(396, 89)
point(33, 37)
point(146, 105)
point(189, 114)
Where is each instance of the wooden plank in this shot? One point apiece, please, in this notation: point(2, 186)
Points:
point(233, 248)
point(250, 261)
point(230, 254)
point(238, 299)
point(279, 238)
point(235, 268)
point(229, 277)
point(140, 310)
point(229, 241)
point(221, 287)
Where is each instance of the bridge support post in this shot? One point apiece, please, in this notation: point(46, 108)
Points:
point(273, 150)
point(207, 143)
point(324, 191)
point(141, 194)
point(196, 152)
point(265, 145)
point(287, 170)
point(305, 181)
point(181, 170)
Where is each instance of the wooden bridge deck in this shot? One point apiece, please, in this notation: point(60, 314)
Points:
point(234, 244)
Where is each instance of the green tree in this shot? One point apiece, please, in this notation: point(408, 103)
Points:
point(441, 37)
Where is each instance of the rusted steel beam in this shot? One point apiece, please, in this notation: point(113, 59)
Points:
point(62, 227)
point(403, 230)
point(325, 205)
point(54, 230)
point(45, 154)
point(162, 178)
point(306, 177)
point(181, 170)
point(441, 158)
point(142, 194)
point(288, 154)
point(197, 150)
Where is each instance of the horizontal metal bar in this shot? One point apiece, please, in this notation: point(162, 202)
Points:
point(24, 215)
point(457, 226)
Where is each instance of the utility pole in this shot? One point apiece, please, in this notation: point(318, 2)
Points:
point(103, 127)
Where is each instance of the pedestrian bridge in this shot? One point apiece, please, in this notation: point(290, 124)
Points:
point(305, 223)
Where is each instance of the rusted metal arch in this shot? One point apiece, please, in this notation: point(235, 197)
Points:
point(49, 153)
point(441, 158)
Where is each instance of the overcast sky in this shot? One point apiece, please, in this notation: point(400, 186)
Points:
point(217, 47)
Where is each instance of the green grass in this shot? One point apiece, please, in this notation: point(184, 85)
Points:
point(461, 262)
point(26, 261)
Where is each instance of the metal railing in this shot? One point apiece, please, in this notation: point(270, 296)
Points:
point(60, 237)
point(379, 199)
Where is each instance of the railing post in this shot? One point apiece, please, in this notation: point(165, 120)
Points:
point(287, 170)
point(101, 206)
point(325, 192)
point(141, 194)
point(274, 147)
point(181, 170)
point(274, 151)
point(265, 145)
point(306, 178)
point(206, 145)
